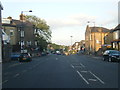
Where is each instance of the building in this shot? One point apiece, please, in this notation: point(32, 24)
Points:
point(21, 33)
point(94, 38)
point(116, 32)
point(1, 8)
point(76, 46)
point(116, 38)
point(82, 45)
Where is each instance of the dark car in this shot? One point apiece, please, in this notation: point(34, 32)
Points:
point(25, 57)
point(111, 55)
point(15, 56)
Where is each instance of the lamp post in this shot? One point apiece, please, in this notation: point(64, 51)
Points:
point(22, 31)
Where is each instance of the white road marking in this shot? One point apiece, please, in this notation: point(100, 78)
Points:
point(24, 71)
point(72, 66)
point(4, 82)
point(82, 77)
point(82, 65)
point(56, 58)
point(97, 78)
point(84, 71)
point(16, 75)
point(92, 80)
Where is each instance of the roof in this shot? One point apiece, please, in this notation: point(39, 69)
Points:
point(97, 29)
point(118, 27)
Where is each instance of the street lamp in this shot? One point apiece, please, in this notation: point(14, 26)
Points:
point(71, 40)
point(22, 31)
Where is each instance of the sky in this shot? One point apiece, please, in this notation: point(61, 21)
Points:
point(66, 17)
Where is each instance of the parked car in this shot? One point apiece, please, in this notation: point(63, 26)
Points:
point(15, 56)
point(25, 57)
point(111, 55)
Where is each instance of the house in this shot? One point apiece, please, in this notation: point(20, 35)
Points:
point(116, 38)
point(20, 33)
point(116, 33)
point(94, 38)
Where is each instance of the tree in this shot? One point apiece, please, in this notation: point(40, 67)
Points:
point(42, 31)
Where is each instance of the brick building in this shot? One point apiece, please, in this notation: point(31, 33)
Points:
point(94, 38)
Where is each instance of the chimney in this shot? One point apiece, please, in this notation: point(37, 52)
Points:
point(22, 17)
point(10, 18)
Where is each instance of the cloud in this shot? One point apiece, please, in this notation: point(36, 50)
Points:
point(59, 1)
point(71, 21)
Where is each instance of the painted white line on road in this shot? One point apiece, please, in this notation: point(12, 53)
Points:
point(77, 66)
point(82, 77)
point(72, 66)
point(56, 58)
point(17, 75)
point(84, 71)
point(92, 80)
point(24, 71)
point(4, 82)
point(97, 78)
point(82, 65)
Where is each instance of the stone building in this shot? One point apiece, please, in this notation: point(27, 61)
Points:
point(94, 38)
point(116, 38)
point(21, 33)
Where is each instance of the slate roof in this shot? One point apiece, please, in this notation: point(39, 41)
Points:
point(118, 27)
point(96, 29)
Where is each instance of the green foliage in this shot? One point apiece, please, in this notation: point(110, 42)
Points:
point(58, 47)
point(43, 32)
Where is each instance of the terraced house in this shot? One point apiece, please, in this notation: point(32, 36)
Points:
point(19, 33)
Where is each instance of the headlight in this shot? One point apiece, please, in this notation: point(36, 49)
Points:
point(113, 56)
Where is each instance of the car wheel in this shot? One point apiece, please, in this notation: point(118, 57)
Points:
point(110, 59)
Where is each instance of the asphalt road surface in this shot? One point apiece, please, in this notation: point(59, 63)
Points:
point(59, 71)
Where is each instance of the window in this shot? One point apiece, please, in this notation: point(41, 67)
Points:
point(22, 33)
point(28, 42)
point(11, 33)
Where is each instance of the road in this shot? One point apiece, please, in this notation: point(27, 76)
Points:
point(59, 71)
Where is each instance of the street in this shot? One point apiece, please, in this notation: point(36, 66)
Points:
point(60, 71)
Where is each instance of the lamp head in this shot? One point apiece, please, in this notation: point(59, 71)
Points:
point(30, 10)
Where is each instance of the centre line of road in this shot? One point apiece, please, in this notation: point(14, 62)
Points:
point(82, 65)
point(97, 78)
point(17, 75)
point(84, 71)
point(72, 66)
point(4, 82)
point(82, 77)
point(24, 71)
